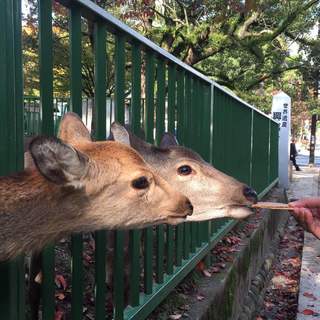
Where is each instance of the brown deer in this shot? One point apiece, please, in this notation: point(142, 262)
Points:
point(212, 193)
point(81, 186)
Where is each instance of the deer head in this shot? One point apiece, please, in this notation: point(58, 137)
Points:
point(212, 193)
point(79, 186)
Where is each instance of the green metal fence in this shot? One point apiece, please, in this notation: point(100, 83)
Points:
point(233, 136)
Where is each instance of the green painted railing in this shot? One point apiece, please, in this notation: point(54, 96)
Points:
point(232, 135)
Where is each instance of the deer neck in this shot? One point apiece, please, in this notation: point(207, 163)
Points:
point(33, 212)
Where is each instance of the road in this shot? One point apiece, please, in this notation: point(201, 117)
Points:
point(303, 157)
point(303, 160)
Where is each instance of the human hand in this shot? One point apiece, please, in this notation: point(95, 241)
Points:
point(307, 213)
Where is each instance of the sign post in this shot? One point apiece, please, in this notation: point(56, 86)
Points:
point(281, 112)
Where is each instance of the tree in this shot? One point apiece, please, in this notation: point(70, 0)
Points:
point(243, 45)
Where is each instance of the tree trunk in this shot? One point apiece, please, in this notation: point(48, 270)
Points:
point(314, 116)
point(313, 138)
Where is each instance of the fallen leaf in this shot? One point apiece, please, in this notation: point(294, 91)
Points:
point(215, 269)
point(60, 296)
point(58, 315)
point(309, 295)
point(61, 281)
point(308, 312)
point(38, 278)
point(221, 265)
point(200, 297)
point(200, 266)
point(87, 258)
point(206, 273)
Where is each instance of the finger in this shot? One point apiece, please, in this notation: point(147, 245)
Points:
point(306, 202)
point(297, 212)
point(309, 221)
point(301, 215)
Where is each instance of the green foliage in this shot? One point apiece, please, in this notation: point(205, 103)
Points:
point(243, 45)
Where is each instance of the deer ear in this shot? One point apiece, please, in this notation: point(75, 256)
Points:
point(119, 133)
point(72, 130)
point(59, 162)
point(168, 140)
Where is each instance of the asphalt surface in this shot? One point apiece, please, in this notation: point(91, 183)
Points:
point(305, 183)
point(303, 160)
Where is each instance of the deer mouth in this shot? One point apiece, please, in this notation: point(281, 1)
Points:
point(231, 211)
point(175, 219)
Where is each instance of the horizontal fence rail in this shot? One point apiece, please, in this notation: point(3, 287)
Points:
point(125, 275)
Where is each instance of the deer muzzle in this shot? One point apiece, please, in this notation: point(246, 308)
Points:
point(250, 194)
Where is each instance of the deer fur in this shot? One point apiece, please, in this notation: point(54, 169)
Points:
point(81, 186)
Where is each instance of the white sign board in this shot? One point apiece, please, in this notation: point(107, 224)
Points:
point(281, 112)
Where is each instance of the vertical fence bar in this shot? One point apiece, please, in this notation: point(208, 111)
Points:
point(135, 235)
point(75, 60)
point(161, 101)
point(197, 142)
point(46, 66)
point(18, 99)
point(119, 77)
point(149, 107)
point(204, 135)
point(191, 144)
point(186, 142)
point(47, 127)
point(136, 88)
point(76, 106)
point(149, 127)
point(171, 127)
point(11, 273)
point(206, 149)
point(171, 97)
point(180, 127)
point(160, 128)
point(100, 134)
point(118, 269)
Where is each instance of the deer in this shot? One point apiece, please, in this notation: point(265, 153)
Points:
point(79, 186)
point(213, 193)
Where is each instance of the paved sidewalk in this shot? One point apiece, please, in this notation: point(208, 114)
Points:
point(306, 184)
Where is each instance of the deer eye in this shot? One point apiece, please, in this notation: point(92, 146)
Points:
point(184, 170)
point(140, 183)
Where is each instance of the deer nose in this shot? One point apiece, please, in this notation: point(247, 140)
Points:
point(250, 194)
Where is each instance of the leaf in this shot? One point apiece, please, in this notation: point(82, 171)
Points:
point(38, 278)
point(87, 258)
point(200, 297)
point(58, 315)
point(309, 295)
point(308, 312)
point(61, 281)
point(206, 273)
point(60, 296)
point(200, 266)
point(175, 316)
point(215, 269)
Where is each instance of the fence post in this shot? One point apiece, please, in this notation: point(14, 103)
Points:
point(11, 143)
